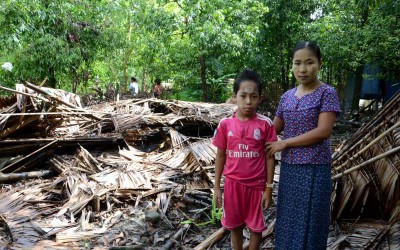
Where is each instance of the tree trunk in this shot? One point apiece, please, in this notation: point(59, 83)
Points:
point(359, 70)
point(357, 88)
point(52, 78)
point(203, 78)
point(144, 78)
point(125, 67)
point(76, 80)
point(124, 89)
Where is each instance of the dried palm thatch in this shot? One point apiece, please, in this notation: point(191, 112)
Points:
point(18, 214)
point(187, 159)
point(172, 112)
point(100, 198)
point(366, 169)
point(132, 107)
point(86, 182)
point(366, 235)
point(44, 111)
point(123, 122)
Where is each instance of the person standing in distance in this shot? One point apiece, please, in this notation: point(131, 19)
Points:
point(306, 115)
point(241, 157)
point(134, 87)
point(158, 89)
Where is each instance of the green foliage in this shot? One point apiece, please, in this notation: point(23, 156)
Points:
point(77, 44)
point(216, 215)
point(220, 89)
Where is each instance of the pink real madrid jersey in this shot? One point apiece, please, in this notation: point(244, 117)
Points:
point(244, 142)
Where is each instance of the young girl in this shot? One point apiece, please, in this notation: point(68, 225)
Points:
point(241, 158)
point(306, 115)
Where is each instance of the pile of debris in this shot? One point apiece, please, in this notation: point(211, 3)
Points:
point(366, 171)
point(139, 173)
point(129, 173)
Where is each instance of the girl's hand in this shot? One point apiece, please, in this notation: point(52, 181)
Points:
point(218, 197)
point(272, 147)
point(266, 199)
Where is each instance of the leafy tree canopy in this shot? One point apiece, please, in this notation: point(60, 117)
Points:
point(195, 45)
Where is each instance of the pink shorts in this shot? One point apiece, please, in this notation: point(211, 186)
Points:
point(242, 206)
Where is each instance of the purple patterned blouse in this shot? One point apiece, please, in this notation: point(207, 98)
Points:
point(300, 115)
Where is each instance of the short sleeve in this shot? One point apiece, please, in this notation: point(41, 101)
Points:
point(330, 101)
point(270, 133)
point(279, 111)
point(219, 139)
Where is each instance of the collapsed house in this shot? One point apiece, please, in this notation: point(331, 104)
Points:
point(113, 171)
point(139, 173)
point(365, 171)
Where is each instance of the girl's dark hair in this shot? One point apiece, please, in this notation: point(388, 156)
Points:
point(247, 75)
point(158, 81)
point(133, 79)
point(309, 45)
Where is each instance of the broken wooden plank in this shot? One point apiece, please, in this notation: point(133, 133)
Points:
point(212, 239)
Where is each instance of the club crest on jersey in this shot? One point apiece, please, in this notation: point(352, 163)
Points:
point(230, 133)
point(257, 134)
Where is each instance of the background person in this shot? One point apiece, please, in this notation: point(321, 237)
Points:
point(158, 89)
point(134, 87)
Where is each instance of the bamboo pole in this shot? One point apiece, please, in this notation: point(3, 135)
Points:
point(32, 162)
point(350, 146)
point(39, 90)
point(25, 94)
point(44, 82)
point(378, 157)
point(51, 113)
point(379, 117)
point(24, 175)
point(392, 102)
point(368, 146)
point(65, 140)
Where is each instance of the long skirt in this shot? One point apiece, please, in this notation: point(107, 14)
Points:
point(302, 216)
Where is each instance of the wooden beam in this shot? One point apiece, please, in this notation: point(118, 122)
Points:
point(212, 239)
